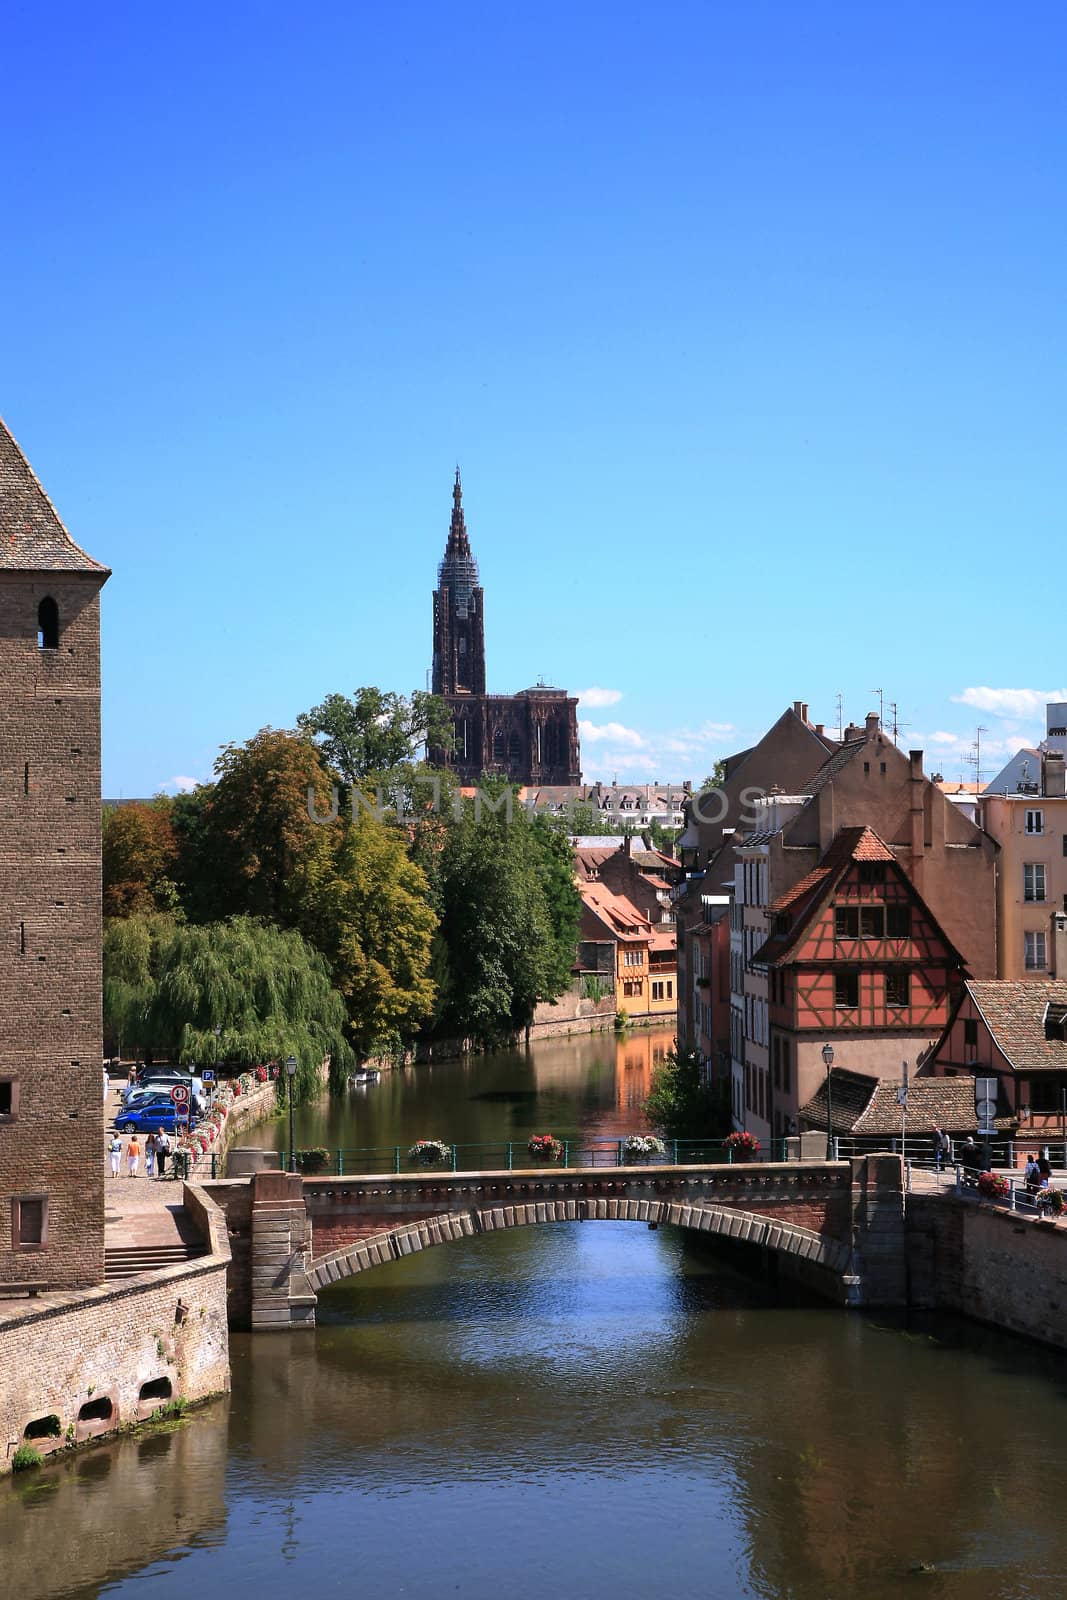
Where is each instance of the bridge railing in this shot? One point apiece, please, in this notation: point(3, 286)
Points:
point(511, 1155)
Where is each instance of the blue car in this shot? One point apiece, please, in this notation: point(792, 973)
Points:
point(149, 1116)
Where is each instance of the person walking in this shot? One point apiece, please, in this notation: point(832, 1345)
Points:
point(1032, 1174)
point(114, 1151)
point(150, 1156)
point(941, 1147)
point(162, 1152)
point(107, 1083)
point(1044, 1167)
point(133, 1157)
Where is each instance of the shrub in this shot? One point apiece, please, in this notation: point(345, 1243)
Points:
point(427, 1152)
point(622, 1021)
point(25, 1456)
point(992, 1185)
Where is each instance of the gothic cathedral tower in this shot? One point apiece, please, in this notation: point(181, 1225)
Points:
point(458, 621)
point(530, 737)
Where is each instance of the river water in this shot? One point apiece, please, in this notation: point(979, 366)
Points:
point(592, 1410)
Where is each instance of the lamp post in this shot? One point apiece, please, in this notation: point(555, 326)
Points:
point(828, 1061)
point(290, 1072)
point(1063, 1123)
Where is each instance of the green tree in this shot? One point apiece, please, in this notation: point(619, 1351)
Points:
point(366, 907)
point(375, 731)
point(261, 840)
point(265, 988)
point(680, 1105)
point(508, 921)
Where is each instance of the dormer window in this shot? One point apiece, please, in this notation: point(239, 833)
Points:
point(48, 624)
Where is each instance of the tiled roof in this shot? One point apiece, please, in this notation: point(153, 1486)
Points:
point(664, 939)
point(615, 912)
point(835, 763)
point(1014, 1013)
point(32, 538)
point(806, 896)
point(869, 1108)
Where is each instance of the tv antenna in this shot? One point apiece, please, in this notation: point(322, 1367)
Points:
point(975, 757)
point(896, 724)
point(881, 704)
point(840, 717)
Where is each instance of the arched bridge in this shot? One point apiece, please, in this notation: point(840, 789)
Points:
point(836, 1226)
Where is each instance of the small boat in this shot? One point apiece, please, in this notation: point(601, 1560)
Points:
point(364, 1075)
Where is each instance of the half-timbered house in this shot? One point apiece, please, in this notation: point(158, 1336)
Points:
point(855, 959)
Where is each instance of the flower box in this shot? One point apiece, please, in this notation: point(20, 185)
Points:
point(1051, 1202)
point(741, 1146)
point(544, 1147)
point(993, 1186)
point(430, 1152)
point(643, 1147)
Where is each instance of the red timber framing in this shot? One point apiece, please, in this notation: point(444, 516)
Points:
point(853, 947)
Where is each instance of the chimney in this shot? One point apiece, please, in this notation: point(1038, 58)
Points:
point(1052, 774)
point(800, 707)
point(871, 725)
point(820, 727)
point(918, 820)
point(1059, 945)
point(852, 732)
point(627, 845)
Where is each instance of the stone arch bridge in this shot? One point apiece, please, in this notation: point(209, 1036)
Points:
point(835, 1226)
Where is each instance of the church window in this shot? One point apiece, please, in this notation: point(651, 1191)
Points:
point(514, 747)
point(48, 624)
point(499, 746)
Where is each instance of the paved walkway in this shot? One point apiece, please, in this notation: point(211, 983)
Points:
point(139, 1210)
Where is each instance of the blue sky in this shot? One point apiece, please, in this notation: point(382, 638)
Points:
point(745, 324)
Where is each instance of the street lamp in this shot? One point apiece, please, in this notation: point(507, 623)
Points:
point(290, 1072)
point(828, 1061)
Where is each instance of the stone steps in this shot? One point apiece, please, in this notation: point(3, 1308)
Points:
point(132, 1260)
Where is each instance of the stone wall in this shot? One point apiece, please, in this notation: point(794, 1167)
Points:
point(248, 1110)
point(989, 1263)
point(97, 1348)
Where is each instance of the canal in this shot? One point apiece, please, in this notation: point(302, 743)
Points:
point(588, 1410)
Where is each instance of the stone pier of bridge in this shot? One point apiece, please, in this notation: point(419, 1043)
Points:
point(836, 1227)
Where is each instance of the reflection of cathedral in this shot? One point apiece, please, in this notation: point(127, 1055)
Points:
point(530, 737)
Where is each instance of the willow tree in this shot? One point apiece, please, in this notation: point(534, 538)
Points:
point(265, 989)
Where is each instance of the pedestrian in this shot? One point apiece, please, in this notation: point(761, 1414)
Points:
point(114, 1151)
point(133, 1157)
point(941, 1147)
point(1044, 1167)
point(970, 1159)
point(107, 1083)
point(1032, 1174)
point(150, 1156)
point(162, 1152)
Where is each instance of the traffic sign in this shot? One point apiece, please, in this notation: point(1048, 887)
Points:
point(181, 1113)
point(208, 1075)
point(180, 1094)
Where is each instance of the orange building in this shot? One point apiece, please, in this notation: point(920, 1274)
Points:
point(644, 965)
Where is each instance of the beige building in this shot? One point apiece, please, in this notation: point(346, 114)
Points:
point(1030, 826)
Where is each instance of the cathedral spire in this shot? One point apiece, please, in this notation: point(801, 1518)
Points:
point(459, 546)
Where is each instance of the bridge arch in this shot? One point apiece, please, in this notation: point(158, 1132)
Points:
point(765, 1232)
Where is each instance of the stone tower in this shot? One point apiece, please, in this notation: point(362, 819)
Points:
point(51, 1103)
point(530, 737)
point(458, 620)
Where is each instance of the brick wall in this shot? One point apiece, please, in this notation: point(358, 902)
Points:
point(50, 926)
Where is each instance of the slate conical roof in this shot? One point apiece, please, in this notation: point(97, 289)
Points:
point(32, 538)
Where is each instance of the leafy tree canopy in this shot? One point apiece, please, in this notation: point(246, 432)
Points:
point(169, 985)
point(374, 731)
point(680, 1105)
point(140, 850)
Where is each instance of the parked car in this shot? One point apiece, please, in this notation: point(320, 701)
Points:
point(150, 1116)
point(162, 1083)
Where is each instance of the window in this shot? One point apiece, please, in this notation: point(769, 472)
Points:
point(872, 871)
point(1065, 844)
point(670, 988)
point(1035, 822)
point(1034, 880)
point(898, 987)
point(786, 1086)
point(970, 1032)
point(9, 1099)
point(872, 922)
point(846, 922)
point(846, 989)
point(898, 922)
point(48, 624)
point(1043, 1096)
point(29, 1221)
point(657, 991)
point(1034, 952)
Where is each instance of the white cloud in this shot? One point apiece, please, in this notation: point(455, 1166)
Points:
point(595, 697)
point(181, 784)
point(1009, 702)
point(593, 733)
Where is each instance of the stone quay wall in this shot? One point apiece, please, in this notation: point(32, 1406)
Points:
point(248, 1110)
point(983, 1261)
point(86, 1356)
